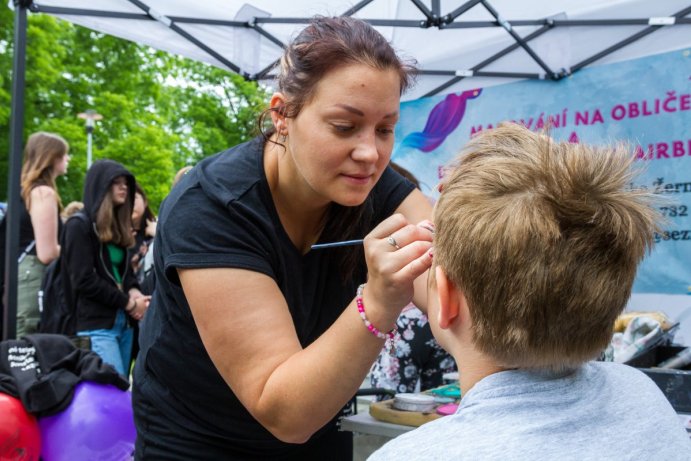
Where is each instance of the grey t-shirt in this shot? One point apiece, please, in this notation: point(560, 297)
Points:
point(601, 411)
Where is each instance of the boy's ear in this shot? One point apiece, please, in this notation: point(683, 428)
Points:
point(449, 299)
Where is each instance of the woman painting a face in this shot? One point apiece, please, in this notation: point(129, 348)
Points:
point(254, 342)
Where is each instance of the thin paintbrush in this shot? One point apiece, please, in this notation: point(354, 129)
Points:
point(344, 243)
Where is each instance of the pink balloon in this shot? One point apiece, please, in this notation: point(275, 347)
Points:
point(20, 439)
point(98, 425)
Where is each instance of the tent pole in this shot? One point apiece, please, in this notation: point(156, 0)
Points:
point(626, 41)
point(357, 8)
point(11, 243)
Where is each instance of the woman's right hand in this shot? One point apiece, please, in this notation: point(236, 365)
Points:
point(397, 252)
point(141, 304)
point(151, 227)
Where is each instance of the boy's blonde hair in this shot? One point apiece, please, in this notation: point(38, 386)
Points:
point(544, 239)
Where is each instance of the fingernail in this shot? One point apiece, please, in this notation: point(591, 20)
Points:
point(431, 253)
point(427, 224)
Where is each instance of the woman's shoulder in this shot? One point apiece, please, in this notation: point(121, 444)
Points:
point(43, 192)
point(213, 184)
point(242, 156)
point(78, 221)
point(228, 175)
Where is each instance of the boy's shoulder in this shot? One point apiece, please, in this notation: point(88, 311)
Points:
point(607, 407)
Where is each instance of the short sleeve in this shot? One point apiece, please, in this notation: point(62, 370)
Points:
point(198, 232)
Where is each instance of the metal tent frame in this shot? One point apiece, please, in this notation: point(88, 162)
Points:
point(430, 18)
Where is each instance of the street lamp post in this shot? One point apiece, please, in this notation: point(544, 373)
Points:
point(90, 116)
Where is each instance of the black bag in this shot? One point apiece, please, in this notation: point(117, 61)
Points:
point(22, 255)
point(3, 237)
point(55, 301)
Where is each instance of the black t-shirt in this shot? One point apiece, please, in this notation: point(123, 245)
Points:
point(222, 215)
point(26, 229)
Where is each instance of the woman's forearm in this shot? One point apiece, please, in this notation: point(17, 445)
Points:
point(312, 386)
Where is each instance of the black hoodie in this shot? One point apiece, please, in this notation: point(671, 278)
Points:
point(42, 370)
point(86, 259)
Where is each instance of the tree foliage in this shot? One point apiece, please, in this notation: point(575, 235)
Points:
point(160, 111)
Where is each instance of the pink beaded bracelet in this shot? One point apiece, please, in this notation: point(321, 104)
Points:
point(390, 336)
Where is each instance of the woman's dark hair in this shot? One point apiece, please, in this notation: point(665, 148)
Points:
point(148, 214)
point(114, 222)
point(326, 44)
point(405, 173)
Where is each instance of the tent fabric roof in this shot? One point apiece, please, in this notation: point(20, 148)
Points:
point(458, 44)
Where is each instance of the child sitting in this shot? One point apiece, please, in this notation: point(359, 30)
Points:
point(536, 247)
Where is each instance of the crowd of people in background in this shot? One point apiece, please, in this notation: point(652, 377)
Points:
point(104, 243)
point(108, 254)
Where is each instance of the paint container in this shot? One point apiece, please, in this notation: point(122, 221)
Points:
point(448, 409)
point(413, 402)
point(450, 378)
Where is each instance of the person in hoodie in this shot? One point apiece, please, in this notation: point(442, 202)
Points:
point(255, 341)
point(104, 288)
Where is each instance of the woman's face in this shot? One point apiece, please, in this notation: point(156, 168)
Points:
point(118, 190)
point(60, 165)
point(139, 207)
point(342, 139)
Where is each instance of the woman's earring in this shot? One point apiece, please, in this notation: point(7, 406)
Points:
point(284, 136)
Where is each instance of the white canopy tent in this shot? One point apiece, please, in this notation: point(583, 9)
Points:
point(488, 40)
point(458, 45)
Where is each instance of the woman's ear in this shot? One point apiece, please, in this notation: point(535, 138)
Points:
point(448, 299)
point(278, 118)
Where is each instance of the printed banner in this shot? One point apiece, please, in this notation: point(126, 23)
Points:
point(645, 102)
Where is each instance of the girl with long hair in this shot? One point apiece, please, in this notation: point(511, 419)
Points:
point(46, 157)
point(104, 288)
point(144, 229)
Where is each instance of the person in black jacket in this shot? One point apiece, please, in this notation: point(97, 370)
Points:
point(104, 288)
point(144, 229)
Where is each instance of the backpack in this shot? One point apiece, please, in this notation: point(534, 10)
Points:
point(55, 303)
point(22, 255)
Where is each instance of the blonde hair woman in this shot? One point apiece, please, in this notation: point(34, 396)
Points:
point(45, 158)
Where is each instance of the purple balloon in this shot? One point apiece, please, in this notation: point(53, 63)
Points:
point(98, 425)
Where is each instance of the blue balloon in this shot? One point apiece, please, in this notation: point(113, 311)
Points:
point(97, 426)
